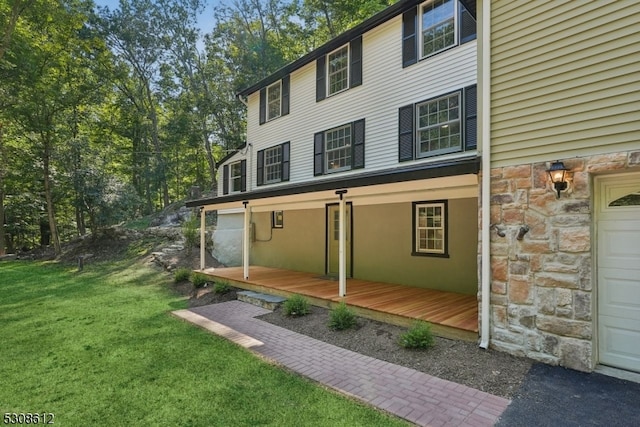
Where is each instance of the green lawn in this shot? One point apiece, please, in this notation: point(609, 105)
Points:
point(100, 348)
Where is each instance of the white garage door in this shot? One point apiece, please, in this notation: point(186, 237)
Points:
point(618, 237)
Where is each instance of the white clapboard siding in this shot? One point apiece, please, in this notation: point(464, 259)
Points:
point(386, 87)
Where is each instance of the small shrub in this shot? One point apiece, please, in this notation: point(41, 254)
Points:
point(199, 280)
point(418, 336)
point(341, 318)
point(181, 274)
point(190, 232)
point(296, 306)
point(221, 287)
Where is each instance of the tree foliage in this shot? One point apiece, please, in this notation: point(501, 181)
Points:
point(108, 114)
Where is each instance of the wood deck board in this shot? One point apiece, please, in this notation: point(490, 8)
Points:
point(448, 309)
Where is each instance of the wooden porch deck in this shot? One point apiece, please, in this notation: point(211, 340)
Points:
point(452, 315)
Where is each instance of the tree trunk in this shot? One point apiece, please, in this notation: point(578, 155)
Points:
point(3, 243)
point(162, 173)
point(46, 158)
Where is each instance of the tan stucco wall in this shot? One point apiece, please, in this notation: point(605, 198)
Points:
point(299, 245)
point(382, 236)
point(383, 244)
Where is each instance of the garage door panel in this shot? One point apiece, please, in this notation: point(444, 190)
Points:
point(618, 342)
point(618, 244)
point(621, 295)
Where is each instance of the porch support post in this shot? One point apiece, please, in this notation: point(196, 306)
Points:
point(203, 239)
point(342, 235)
point(245, 239)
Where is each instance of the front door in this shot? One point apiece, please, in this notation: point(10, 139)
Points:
point(333, 242)
point(618, 270)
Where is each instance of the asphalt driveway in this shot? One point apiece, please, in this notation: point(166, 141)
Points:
point(554, 396)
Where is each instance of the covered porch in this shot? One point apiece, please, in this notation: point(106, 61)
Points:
point(452, 315)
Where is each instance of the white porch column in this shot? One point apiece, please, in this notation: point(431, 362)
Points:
point(245, 239)
point(203, 239)
point(342, 237)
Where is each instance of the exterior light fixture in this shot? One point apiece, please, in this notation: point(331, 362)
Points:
point(557, 173)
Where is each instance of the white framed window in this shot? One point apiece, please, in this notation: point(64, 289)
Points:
point(337, 150)
point(235, 177)
point(438, 21)
point(274, 101)
point(439, 126)
point(273, 164)
point(338, 70)
point(430, 222)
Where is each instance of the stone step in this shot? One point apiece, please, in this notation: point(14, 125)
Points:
point(270, 302)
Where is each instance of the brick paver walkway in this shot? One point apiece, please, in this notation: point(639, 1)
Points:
point(412, 395)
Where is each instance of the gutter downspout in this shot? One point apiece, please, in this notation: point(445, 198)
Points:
point(486, 174)
point(241, 99)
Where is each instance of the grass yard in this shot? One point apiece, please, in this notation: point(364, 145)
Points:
point(100, 348)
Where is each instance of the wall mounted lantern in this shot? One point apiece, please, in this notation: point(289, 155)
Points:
point(558, 173)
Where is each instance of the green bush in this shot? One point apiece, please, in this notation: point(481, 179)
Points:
point(190, 232)
point(296, 306)
point(221, 287)
point(181, 274)
point(341, 318)
point(199, 280)
point(418, 336)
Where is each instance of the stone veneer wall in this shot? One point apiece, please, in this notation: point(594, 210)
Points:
point(542, 299)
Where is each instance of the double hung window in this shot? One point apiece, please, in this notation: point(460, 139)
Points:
point(235, 177)
point(430, 222)
point(439, 130)
point(338, 149)
point(274, 101)
point(338, 70)
point(438, 26)
point(273, 164)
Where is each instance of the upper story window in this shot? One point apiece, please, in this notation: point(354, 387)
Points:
point(339, 149)
point(274, 100)
point(339, 70)
point(437, 126)
point(234, 177)
point(273, 164)
point(434, 27)
point(438, 26)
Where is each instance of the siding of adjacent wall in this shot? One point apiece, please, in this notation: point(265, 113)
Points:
point(565, 79)
point(386, 87)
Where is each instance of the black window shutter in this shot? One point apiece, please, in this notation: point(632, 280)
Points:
point(260, 168)
point(467, 25)
point(357, 146)
point(225, 179)
point(409, 37)
point(285, 95)
point(321, 85)
point(243, 175)
point(470, 117)
point(285, 160)
point(263, 105)
point(406, 132)
point(356, 62)
point(318, 154)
